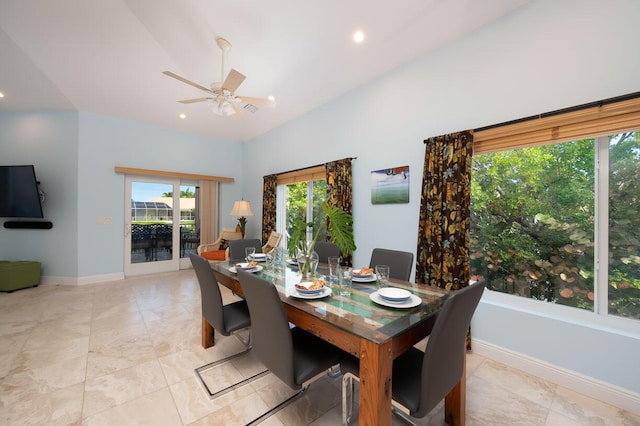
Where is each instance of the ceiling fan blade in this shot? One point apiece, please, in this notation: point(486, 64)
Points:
point(256, 101)
point(193, 101)
point(233, 81)
point(239, 112)
point(184, 80)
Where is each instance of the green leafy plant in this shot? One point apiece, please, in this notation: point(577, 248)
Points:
point(340, 227)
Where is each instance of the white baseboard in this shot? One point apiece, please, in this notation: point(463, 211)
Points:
point(577, 382)
point(74, 281)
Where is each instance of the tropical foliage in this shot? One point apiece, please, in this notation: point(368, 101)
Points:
point(184, 193)
point(297, 195)
point(534, 217)
point(340, 227)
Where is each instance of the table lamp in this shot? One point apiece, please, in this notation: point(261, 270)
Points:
point(241, 209)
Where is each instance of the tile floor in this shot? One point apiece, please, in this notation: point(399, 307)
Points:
point(123, 353)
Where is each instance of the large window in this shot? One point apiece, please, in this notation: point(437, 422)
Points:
point(547, 226)
point(303, 201)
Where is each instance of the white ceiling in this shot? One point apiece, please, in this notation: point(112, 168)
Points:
point(107, 56)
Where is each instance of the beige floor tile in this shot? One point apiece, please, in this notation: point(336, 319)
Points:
point(51, 352)
point(25, 384)
point(533, 388)
point(124, 385)
point(123, 353)
point(489, 404)
point(589, 411)
point(60, 407)
point(193, 403)
point(154, 409)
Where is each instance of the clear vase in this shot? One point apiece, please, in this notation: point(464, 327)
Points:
point(308, 264)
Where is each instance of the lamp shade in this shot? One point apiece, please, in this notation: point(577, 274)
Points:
point(241, 208)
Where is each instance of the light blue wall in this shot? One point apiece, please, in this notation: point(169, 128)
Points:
point(108, 142)
point(75, 155)
point(49, 141)
point(547, 56)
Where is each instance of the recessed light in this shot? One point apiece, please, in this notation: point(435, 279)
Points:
point(183, 116)
point(1, 95)
point(358, 36)
point(271, 98)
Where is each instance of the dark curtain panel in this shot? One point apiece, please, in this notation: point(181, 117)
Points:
point(269, 190)
point(444, 227)
point(339, 189)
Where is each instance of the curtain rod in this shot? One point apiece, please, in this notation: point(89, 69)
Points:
point(563, 111)
point(311, 167)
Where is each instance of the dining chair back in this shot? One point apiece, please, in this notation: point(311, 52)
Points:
point(236, 248)
point(441, 365)
point(225, 319)
point(293, 355)
point(400, 262)
point(326, 249)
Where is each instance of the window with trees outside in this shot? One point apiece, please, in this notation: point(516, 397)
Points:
point(303, 201)
point(559, 222)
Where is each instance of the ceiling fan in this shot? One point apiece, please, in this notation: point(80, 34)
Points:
point(221, 96)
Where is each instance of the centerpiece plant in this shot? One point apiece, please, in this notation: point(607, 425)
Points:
point(340, 230)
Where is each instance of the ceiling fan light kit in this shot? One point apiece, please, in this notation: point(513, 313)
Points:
point(221, 96)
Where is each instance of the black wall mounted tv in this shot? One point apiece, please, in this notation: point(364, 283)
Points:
point(19, 194)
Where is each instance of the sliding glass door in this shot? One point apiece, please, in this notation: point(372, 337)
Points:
point(161, 225)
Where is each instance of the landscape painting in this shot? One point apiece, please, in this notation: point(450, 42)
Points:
point(390, 186)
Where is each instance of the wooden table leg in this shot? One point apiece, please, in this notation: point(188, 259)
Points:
point(208, 338)
point(375, 384)
point(455, 402)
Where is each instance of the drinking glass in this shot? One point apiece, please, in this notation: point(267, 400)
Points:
point(334, 266)
point(249, 252)
point(382, 274)
point(345, 281)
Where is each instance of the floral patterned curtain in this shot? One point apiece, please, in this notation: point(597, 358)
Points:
point(269, 191)
point(340, 188)
point(444, 227)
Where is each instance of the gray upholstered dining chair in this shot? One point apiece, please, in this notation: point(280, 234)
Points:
point(293, 355)
point(225, 319)
point(236, 248)
point(422, 379)
point(325, 250)
point(400, 262)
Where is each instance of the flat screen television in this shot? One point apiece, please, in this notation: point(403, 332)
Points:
point(19, 194)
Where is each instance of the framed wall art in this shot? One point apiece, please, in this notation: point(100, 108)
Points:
point(390, 186)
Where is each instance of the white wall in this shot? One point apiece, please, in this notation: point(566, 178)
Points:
point(546, 56)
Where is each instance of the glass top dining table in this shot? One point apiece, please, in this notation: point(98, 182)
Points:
point(375, 333)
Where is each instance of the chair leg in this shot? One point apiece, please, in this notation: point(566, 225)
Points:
point(404, 416)
point(278, 407)
point(348, 390)
point(213, 364)
point(246, 342)
point(334, 371)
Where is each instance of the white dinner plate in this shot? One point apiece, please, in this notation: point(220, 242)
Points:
point(411, 303)
point(394, 294)
point(254, 269)
point(326, 292)
point(365, 279)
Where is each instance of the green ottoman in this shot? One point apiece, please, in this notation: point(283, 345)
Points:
point(18, 274)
